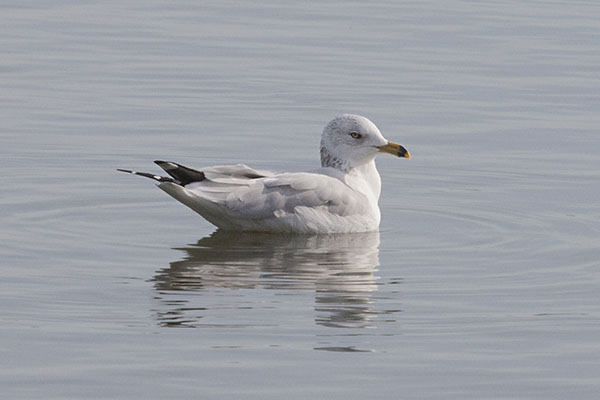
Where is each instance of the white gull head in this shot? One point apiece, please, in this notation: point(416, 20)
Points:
point(350, 141)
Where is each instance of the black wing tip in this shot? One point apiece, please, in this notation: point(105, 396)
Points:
point(183, 175)
point(147, 175)
point(166, 164)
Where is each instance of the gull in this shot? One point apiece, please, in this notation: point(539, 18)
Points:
point(340, 197)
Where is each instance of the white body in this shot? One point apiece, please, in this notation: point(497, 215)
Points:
point(324, 201)
point(341, 196)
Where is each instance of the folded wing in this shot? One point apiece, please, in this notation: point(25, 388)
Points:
point(239, 197)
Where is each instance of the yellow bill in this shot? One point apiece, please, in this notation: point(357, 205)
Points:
point(394, 149)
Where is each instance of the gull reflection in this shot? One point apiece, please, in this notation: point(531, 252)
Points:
point(339, 269)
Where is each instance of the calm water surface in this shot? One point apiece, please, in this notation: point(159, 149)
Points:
point(483, 282)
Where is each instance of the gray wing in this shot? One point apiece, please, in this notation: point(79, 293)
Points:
point(278, 195)
point(184, 175)
point(233, 196)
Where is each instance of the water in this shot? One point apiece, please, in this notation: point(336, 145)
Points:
point(482, 283)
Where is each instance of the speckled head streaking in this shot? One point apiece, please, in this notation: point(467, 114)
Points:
point(349, 141)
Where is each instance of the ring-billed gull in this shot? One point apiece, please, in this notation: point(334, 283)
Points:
point(341, 196)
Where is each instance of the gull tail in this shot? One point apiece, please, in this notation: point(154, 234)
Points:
point(147, 175)
point(182, 175)
point(178, 173)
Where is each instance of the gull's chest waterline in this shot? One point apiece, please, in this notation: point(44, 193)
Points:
point(366, 180)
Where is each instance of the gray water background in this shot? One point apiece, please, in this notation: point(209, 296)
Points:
point(483, 282)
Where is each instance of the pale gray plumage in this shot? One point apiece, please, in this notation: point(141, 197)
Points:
point(341, 196)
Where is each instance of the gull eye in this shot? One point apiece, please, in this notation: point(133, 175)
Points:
point(355, 135)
